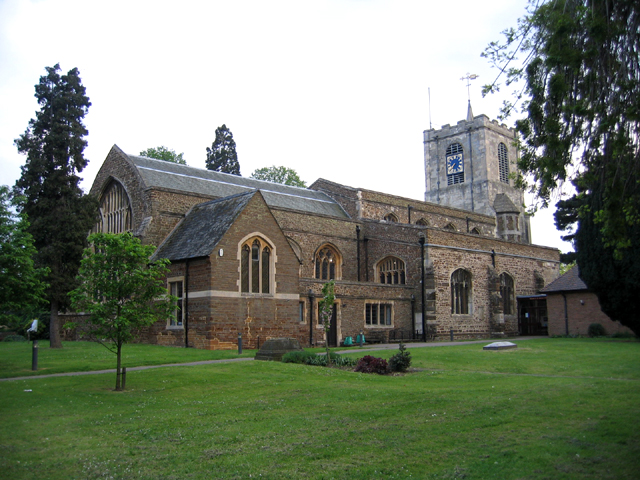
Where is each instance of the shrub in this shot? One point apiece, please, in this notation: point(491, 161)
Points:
point(401, 361)
point(297, 356)
point(596, 330)
point(336, 360)
point(370, 364)
point(14, 338)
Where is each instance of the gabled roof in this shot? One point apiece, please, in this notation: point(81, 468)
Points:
point(202, 228)
point(568, 282)
point(183, 178)
point(503, 204)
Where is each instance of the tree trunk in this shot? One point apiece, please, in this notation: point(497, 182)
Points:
point(54, 327)
point(118, 369)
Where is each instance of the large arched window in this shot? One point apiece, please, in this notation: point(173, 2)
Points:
point(507, 294)
point(255, 266)
point(327, 264)
point(115, 210)
point(503, 163)
point(460, 292)
point(455, 164)
point(391, 271)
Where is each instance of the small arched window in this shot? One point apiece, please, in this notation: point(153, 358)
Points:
point(503, 163)
point(391, 218)
point(391, 271)
point(115, 210)
point(327, 264)
point(507, 294)
point(451, 227)
point(423, 222)
point(255, 266)
point(475, 231)
point(461, 292)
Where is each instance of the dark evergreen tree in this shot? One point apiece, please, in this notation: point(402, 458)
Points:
point(222, 156)
point(59, 214)
point(582, 105)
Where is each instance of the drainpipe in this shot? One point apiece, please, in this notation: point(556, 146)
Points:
point(366, 258)
point(566, 314)
point(421, 240)
point(473, 208)
point(310, 317)
point(186, 305)
point(358, 248)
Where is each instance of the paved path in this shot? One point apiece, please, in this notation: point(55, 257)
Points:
point(355, 348)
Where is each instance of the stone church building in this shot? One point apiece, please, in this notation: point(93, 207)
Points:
point(250, 257)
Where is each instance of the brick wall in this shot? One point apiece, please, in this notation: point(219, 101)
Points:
point(583, 309)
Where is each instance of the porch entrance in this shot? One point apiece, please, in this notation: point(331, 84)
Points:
point(532, 315)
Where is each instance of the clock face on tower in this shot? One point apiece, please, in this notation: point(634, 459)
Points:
point(455, 164)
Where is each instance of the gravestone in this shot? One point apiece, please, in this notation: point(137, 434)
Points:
point(500, 346)
point(274, 348)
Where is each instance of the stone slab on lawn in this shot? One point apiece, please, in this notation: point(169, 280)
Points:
point(500, 346)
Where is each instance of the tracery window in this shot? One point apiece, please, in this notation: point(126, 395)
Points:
point(503, 163)
point(460, 292)
point(391, 218)
point(115, 210)
point(454, 164)
point(391, 271)
point(327, 264)
point(506, 292)
point(255, 266)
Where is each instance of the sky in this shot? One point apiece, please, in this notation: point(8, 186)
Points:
point(334, 89)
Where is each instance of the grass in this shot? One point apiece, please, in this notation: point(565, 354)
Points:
point(15, 357)
point(552, 408)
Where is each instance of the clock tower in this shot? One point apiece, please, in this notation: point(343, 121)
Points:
point(467, 166)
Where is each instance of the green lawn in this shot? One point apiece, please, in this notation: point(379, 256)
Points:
point(551, 409)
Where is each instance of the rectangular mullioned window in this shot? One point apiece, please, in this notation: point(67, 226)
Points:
point(378, 314)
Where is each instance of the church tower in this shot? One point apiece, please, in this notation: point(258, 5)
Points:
point(467, 166)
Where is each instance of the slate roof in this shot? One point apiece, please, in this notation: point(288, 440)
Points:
point(503, 204)
point(183, 178)
point(202, 228)
point(568, 282)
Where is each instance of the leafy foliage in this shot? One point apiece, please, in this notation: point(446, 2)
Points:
point(336, 360)
point(22, 285)
point(371, 364)
point(401, 361)
point(326, 312)
point(596, 330)
point(121, 290)
point(582, 124)
point(49, 185)
point(222, 156)
point(164, 153)
point(297, 356)
point(282, 175)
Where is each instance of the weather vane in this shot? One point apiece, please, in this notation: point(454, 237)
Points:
point(468, 78)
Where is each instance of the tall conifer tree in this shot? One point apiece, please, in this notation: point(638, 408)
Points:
point(222, 156)
point(582, 89)
point(59, 214)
